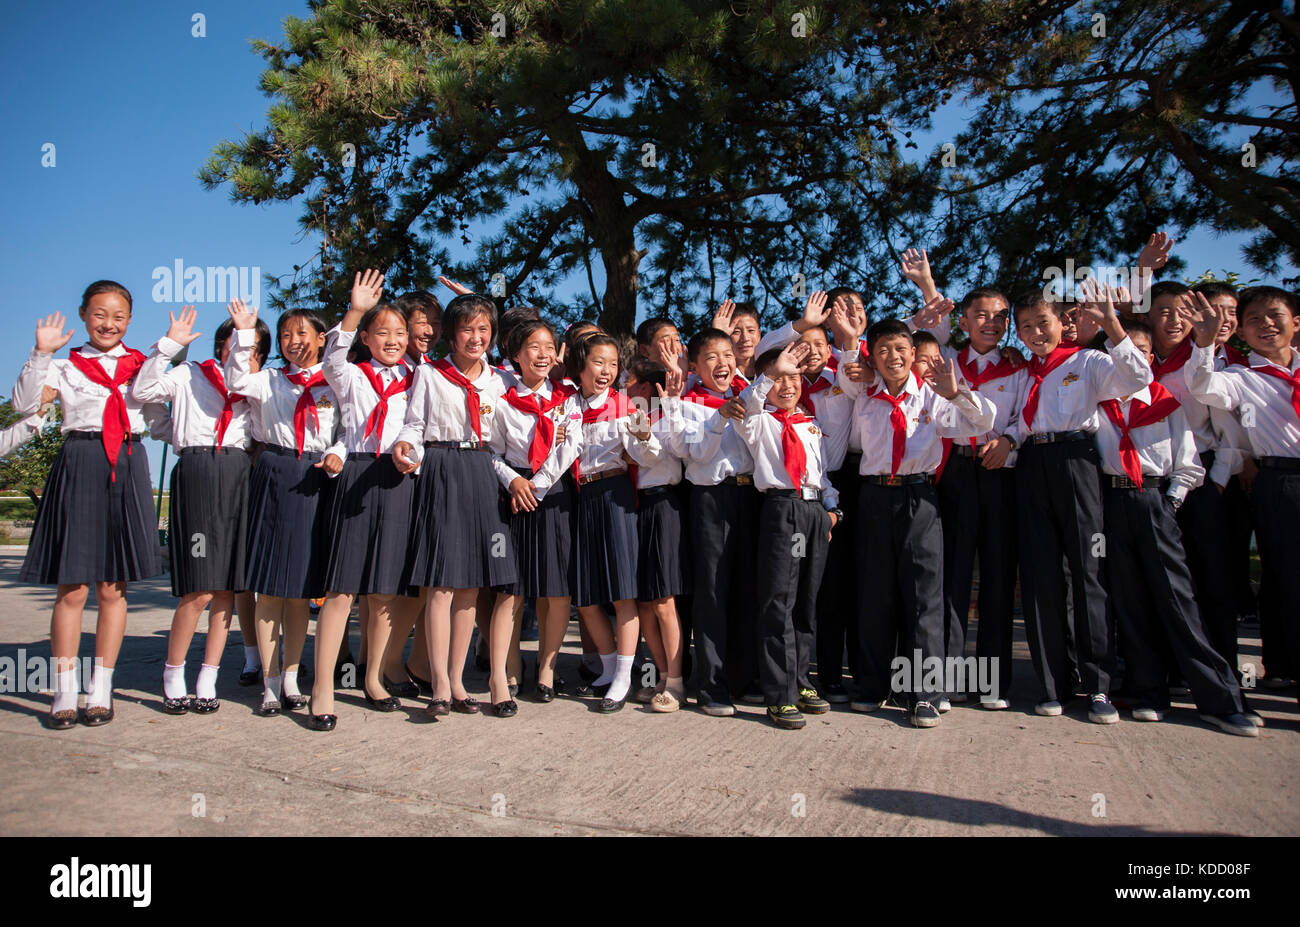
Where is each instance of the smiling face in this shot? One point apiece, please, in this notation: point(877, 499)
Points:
point(535, 358)
point(715, 364)
point(471, 339)
point(420, 335)
point(819, 353)
point(300, 343)
point(1228, 303)
point(985, 321)
point(601, 369)
point(666, 337)
point(386, 337)
point(1268, 327)
point(744, 338)
point(1040, 328)
point(927, 355)
point(892, 357)
point(1168, 326)
point(785, 391)
point(106, 316)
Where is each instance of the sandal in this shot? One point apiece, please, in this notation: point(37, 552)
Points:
point(465, 706)
point(96, 715)
point(61, 720)
point(664, 702)
point(205, 706)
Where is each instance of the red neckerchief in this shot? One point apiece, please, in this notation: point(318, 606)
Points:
point(1162, 405)
point(1235, 357)
point(212, 372)
point(1039, 369)
point(375, 420)
point(116, 422)
point(448, 370)
point(698, 393)
point(794, 457)
point(1174, 362)
point(304, 405)
point(807, 390)
point(898, 421)
point(544, 433)
point(1003, 368)
point(1292, 378)
point(616, 406)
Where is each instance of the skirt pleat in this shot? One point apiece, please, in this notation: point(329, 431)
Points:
point(288, 504)
point(369, 526)
point(89, 527)
point(460, 539)
point(605, 542)
point(209, 520)
point(544, 542)
point(663, 565)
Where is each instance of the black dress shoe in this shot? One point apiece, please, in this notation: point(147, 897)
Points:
point(544, 694)
point(403, 689)
point(269, 708)
point(292, 702)
point(507, 709)
point(177, 706)
point(608, 705)
point(61, 720)
point(250, 677)
point(205, 706)
point(465, 706)
point(96, 715)
point(424, 685)
point(382, 704)
point(322, 722)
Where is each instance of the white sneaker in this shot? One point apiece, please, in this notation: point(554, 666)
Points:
point(1233, 724)
point(1048, 709)
point(1253, 718)
point(994, 704)
point(1148, 714)
point(865, 707)
point(1101, 711)
point(944, 705)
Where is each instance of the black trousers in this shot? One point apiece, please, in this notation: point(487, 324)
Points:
point(793, 535)
point(1153, 602)
point(837, 602)
point(724, 535)
point(978, 507)
point(900, 587)
point(1276, 503)
point(1204, 526)
point(1058, 499)
point(1236, 510)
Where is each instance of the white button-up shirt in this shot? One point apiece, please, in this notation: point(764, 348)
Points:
point(196, 404)
point(359, 398)
point(273, 398)
point(761, 432)
point(1164, 448)
point(1006, 393)
point(1262, 403)
point(512, 437)
point(1068, 396)
point(83, 401)
point(438, 410)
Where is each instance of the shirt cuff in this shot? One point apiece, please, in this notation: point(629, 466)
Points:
point(245, 337)
point(169, 348)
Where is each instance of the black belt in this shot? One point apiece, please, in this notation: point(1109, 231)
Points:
point(807, 494)
point(656, 490)
point(95, 436)
point(1057, 437)
point(903, 479)
point(1123, 482)
point(458, 445)
point(366, 455)
point(964, 450)
point(1285, 464)
point(209, 449)
point(602, 475)
point(740, 479)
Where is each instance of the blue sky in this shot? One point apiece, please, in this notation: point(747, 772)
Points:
point(133, 104)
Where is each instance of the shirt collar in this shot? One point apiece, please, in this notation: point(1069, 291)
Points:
point(89, 350)
point(1259, 360)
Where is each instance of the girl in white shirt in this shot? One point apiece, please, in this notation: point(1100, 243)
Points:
point(209, 498)
point(288, 494)
point(96, 522)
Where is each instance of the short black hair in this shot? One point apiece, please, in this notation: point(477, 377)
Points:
point(836, 292)
point(105, 286)
point(520, 334)
point(514, 317)
point(1256, 294)
point(767, 359)
point(701, 338)
point(419, 301)
point(646, 331)
point(312, 319)
point(575, 359)
point(1168, 288)
point(887, 328)
point(745, 309)
point(648, 371)
point(982, 292)
point(921, 337)
point(467, 307)
point(1034, 299)
point(1214, 288)
point(1134, 325)
point(262, 349)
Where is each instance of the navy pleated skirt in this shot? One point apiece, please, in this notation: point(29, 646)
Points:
point(459, 539)
point(544, 541)
point(663, 564)
point(90, 528)
point(288, 505)
point(605, 542)
point(369, 522)
point(209, 520)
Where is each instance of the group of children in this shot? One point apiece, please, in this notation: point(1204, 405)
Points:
point(689, 492)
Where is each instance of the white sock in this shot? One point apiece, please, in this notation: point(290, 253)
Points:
point(622, 677)
point(291, 682)
point(206, 687)
point(101, 687)
point(65, 691)
point(174, 681)
point(270, 689)
point(252, 662)
point(592, 661)
point(607, 663)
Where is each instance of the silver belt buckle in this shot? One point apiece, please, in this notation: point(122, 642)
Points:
point(812, 495)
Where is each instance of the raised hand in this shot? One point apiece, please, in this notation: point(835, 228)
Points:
point(945, 377)
point(933, 312)
point(367, 289)
point(861, 372)
point(1155, 254)
point(457, 288)
point(638, 424)
point(50, 336)
point(814, 312)
point(724, 317)
point(671, 355)
point(733, 409)
point(1099, 304)
point(915, 266)
point(841, 328)
point(1204, 317)
point(790, 360)
point(181, 327)
point(241, 314)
